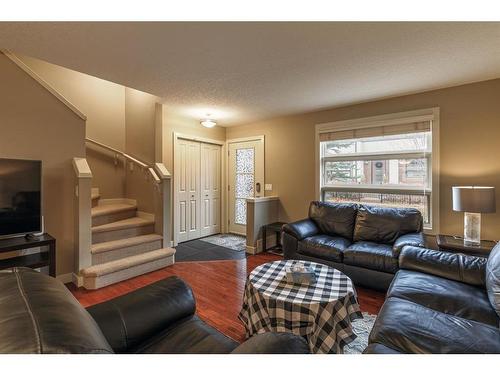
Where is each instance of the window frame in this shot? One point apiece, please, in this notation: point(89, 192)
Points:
point(431, 191)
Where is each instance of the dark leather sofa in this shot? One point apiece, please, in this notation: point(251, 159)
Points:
point(362, 241)
point(39, 315)
point(438, 303)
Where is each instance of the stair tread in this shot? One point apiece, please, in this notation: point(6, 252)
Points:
point(95, 196)
point(123, 224)
point(107, 209)
point(124, 242)
point(128, 262)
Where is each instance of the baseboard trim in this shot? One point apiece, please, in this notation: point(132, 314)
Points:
point(77, 280)
point(250, 250)
point(270, 242)
point(65, 278)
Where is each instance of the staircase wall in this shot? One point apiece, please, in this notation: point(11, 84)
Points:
point(36, 125)
point(103, 103)
point(140, 111)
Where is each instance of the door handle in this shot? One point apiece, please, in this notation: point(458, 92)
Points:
point(257, 187)
point(192, 196)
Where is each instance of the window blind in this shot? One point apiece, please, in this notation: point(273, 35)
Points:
point(376, 131)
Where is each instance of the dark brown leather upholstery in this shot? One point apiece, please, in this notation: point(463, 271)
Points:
point(492, 276)
point(410, 239)
point(324, 246)
point(459, 267)
point(384, 224)
point(409, 327)
point(38, 314)
point(327, 234)
point(433, 309)
point(301, 229)
point(128, 321)
point(371, 255)
point(334, 219)
point(191, 336)
point(440, 294)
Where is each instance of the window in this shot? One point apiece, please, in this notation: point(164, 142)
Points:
point(384, 163)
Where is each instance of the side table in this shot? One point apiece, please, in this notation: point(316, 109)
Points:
point(456, 244)
point(272, 228)
point(37, 260)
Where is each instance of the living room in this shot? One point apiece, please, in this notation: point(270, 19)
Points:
point(188, 187)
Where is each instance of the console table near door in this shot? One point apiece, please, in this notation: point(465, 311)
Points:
point(36, 260)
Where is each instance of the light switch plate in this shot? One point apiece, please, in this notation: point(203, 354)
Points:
point(268, 187)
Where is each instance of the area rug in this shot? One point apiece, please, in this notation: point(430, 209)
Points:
point(198, 250)
point(362, 329)
point(229, 241)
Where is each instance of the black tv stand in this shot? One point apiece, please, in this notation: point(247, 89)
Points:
point(37, 260)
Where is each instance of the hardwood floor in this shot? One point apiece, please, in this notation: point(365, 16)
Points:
point(218, 288)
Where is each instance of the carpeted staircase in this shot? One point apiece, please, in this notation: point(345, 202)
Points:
point(124, 243)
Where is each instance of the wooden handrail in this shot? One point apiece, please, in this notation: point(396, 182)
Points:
point(141, 164)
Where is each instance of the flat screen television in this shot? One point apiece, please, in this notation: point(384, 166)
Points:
point(20, 197)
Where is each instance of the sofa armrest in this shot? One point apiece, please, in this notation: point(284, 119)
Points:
point(133, 318)
point(458, 267)
point(301, 229)
point(273, 343)
point(410, 239)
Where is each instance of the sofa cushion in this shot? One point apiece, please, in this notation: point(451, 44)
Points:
point(371, 255)
point(444, 295)
point(493, 278)
point(38, 314)
point(192, 336)
point(324, 247)
point(408, 327)
point(385, 224)
point(335, 219)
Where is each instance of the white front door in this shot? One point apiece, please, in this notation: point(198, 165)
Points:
point(187, 184)
point(210, 189)
point(245, 179)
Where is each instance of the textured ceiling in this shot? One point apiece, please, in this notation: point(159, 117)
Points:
point(242, 72)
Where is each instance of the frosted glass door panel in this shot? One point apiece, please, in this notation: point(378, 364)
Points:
point(246, 169)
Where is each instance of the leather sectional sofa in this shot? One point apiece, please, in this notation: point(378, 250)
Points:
point(362, 241)
point(39, 315)
point(440, 302)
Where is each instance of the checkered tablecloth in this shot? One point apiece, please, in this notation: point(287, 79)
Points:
point(320, 312)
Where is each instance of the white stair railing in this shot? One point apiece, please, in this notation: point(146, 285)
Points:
point(161, 178)
point(83, 217)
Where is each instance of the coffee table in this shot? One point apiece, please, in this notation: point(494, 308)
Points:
point(321, 312)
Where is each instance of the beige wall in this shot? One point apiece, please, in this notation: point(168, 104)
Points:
point(117, 116)
point(140, 120)
point(103, 103)
point(172, 123)
point(36, 125)
point(469, 147)
point(140, 124)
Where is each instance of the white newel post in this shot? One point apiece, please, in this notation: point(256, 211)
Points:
point(83, 218)
point(164, 206)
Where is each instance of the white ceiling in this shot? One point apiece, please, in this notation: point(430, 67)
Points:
point(242, 72)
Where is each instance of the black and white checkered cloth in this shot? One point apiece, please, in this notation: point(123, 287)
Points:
point(320, 312)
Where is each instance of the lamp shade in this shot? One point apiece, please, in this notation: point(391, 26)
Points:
point(479, 199)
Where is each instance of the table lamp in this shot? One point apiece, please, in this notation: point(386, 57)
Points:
point(474, 201)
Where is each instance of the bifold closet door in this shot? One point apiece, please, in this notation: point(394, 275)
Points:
point(210, 189)
point(187, 170)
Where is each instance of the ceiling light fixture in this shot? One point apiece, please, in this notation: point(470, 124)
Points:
point(208, 123)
